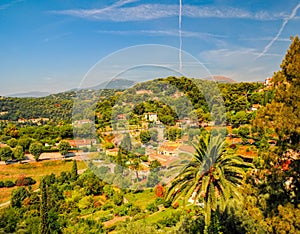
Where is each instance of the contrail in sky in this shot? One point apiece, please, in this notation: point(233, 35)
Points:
point(293, 14)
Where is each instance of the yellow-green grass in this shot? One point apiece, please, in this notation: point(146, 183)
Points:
point(157, 216)
point(141, 199)
point(36, 170)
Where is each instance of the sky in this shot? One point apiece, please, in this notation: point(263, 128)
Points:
point(50, 46)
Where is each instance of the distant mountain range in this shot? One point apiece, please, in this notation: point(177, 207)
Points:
point(113, 84)
point(29, 94)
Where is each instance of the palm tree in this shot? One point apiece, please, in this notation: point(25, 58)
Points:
point(212, 177)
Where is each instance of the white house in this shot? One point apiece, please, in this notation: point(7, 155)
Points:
point(152, 117)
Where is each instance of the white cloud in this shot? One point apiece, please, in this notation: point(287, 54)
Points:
point(155, 11)
point(172, 33)
point(117, 14)
point(7, 5)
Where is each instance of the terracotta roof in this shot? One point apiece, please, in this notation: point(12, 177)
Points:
point(187, 148)
point(80, 142)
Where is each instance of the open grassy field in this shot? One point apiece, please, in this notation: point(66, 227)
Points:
point(141, 199)
point(36, 170)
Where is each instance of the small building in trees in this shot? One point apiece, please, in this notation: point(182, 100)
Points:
point(152, 117)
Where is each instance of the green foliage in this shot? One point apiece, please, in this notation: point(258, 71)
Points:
point(6, 153)
point(126, 142)
point(118, 198)
point(74, 171)
point(56, 107)
point(18, 152)
point(44, 224)
point(91, 183)
point(287, 220)
point(283, 111)
point(135, 228)
point(244, 132)
point(18, 196)
point(152, 207)
point(154, 166)
point(8, 220)
point(64, 147)
point(24, 181)
point(12, 142)
point(108, 145)
point(170, 220)
point(24, 142)
point(153, 134)
point(9, 184)
point(36, 150)
point(173, 133)
point(145, 137)
point(108, 191)
point(212, 177)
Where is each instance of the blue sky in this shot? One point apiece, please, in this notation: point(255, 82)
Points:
point(51, 45)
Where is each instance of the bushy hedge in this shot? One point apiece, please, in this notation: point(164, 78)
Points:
point(22, 181)
point(7, 184)
point(25, 181)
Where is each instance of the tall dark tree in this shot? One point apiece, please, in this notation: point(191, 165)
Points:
point(17, 197)
point(74, 171)
point(283, 113)
point(279, 175)
point(126, 142)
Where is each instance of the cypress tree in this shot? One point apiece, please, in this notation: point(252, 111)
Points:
point(74, 171)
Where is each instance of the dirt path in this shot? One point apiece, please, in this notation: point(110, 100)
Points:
point(114, 220)
point(4, 204)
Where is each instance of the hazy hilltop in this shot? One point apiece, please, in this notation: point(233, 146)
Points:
point(221, 79)
point(114, 84)
point(29, 94)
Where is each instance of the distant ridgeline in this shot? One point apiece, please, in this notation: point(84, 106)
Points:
point(57, 107)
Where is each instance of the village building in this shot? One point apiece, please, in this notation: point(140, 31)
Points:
point(82, 142)
point(152, 117)
point(169, 148)
point(112, 152)
point(255, 107)
point(268, 82)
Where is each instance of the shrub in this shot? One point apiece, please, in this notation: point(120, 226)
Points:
point(144, 158)
point(121, 210)
point(9, 184)
point(25, 181)
point(134, 210)
point(107, 206)
point(1, 184)
point(170, 220)
point(152, 207)
point(105, 218)
point(118, 198)
point(167, 204)
point(138, 216)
